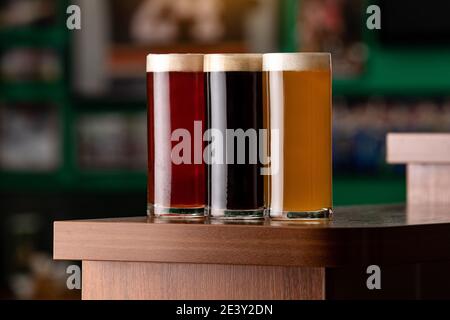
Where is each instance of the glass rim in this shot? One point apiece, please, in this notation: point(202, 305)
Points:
point(227, 62)
point(297, 61)
point(175, 62)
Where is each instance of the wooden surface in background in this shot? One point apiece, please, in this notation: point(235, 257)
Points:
point(356, 236)
point(428, 184)
point(170, 281)
point(427, 158)
point(418, 148)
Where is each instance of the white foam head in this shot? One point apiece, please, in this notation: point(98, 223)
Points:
point(175, 62)
point(232, 62)
point(299, 61)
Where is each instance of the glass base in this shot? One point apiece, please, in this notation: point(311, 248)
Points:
point(175, 213)
point(322, 214)
point(228, 214)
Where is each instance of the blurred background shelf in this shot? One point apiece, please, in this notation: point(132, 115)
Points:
point(351, 190)
point(347, 190)
point(111, 181)
point(400, 72)
point(417, 73)
point(99, 105)
point(29, 181)
point(32, 37)
point(33, 91)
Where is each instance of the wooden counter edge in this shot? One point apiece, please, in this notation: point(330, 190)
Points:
point(249, 245)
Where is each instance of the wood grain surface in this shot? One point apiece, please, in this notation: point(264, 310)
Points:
point(170, 281)
point(355, 236)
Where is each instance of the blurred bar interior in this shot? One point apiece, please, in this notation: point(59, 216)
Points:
point(73, 103)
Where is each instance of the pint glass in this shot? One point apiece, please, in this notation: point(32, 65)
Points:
point(298, 103)
point(235, 187)
point(176, 109)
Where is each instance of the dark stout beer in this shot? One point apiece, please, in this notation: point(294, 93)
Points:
point(176, 109)
point(235, 186)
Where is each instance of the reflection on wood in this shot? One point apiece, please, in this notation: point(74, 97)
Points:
point(356, 235)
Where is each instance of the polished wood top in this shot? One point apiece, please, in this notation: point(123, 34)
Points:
point(356, 235)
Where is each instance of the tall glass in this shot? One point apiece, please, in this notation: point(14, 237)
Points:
point(298, 103)
point(176, 109)
point(235, 116)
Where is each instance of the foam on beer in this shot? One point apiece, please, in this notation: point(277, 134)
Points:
point(175, 62)
point(299, 61)
point(232, 62)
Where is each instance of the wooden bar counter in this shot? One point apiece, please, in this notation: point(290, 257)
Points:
point(140, 258)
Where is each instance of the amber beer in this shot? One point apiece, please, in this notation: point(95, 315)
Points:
point(298, 103)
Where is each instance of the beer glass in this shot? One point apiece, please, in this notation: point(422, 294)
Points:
point(298, 106)
point(176, 109)
point(235, 188)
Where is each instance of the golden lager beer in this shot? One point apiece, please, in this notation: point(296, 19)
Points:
point(298, 112)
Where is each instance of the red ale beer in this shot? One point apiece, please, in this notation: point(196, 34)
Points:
point(176, 109)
